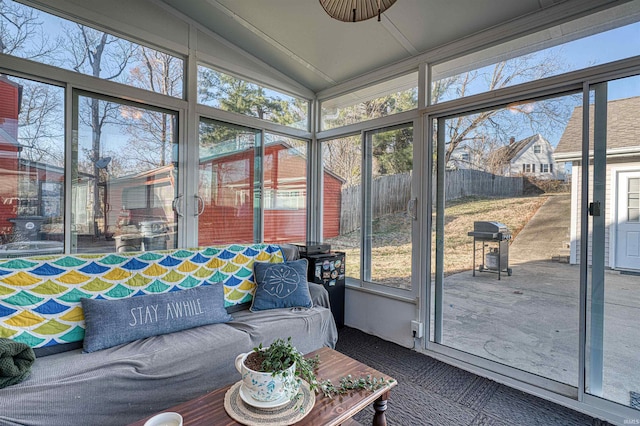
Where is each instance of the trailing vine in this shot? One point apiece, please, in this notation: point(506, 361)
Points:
point(349, 384)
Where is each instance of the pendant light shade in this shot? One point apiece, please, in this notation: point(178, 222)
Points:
point(355, 10)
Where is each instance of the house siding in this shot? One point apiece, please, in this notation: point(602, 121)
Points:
point(528, 156)
point(9, 110)
point(613, 165)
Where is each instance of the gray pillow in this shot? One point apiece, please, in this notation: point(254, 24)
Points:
point(281, 285)
point(113, 322)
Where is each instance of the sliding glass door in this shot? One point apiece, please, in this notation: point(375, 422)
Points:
point(536, 241)
point(506, 288)
point(124, 176)
point(613, 244)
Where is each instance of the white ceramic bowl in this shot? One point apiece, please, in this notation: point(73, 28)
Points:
point(165, 419)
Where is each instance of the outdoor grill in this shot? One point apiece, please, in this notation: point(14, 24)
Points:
point(495, 237)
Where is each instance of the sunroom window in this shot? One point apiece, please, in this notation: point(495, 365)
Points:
point(32, 34)
point(580, 44)
point(124, 176)
point(379, 100)
point(230, 93)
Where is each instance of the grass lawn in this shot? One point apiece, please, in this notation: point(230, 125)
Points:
point(391, 239)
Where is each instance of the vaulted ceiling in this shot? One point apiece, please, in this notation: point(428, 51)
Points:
point(300, 40)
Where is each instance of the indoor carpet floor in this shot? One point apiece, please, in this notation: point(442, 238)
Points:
point(430, 392)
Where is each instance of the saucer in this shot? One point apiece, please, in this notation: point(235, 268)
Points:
point(265, 405)
point(289, 414)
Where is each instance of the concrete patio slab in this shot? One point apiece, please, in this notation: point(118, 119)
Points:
point(530, 320)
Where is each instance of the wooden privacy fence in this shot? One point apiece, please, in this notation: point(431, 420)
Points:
point(392, 193)
point(465, 183)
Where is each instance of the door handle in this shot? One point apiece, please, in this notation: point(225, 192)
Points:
point(175, 205)
point(594, 208)
point(199, 205)
point(412, 208)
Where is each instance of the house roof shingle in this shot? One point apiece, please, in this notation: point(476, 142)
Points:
point(507, 153)
point(623, 129)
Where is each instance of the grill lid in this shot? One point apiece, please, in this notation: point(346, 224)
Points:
point(495, 231)
point(490, 227)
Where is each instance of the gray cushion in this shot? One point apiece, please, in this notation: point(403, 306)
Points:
point(281, 285)
point(113, 322)
point(290, 251)
point(120, 385)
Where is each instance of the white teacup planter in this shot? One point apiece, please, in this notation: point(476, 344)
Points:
point(267, 386)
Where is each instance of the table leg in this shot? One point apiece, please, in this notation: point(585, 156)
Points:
point(380, 406)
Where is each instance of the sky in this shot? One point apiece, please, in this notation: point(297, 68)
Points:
point(605, 47)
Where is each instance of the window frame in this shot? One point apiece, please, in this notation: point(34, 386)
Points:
point(260, 85)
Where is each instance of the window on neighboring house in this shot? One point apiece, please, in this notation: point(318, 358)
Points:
point(544, 168)
point(537, 149)
point(464, 156)
point(633, 200)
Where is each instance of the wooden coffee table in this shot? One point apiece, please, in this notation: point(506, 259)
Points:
point(209, 409)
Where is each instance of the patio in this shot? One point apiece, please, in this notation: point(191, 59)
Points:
point(530, 320)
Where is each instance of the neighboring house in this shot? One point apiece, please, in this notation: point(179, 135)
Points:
point(622, 182)
point(10, 97)
point(532, 156)
point(465, 158)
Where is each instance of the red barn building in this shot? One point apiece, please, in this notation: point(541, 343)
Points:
point(10, 98)
point(227, 200)
point(228, 191)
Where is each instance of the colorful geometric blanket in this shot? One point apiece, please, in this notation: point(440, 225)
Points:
point(40, 296)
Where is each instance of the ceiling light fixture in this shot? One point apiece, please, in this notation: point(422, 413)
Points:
point(355, 10)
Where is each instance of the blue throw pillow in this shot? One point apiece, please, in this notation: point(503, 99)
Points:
point(113, 322)
point(281, 285)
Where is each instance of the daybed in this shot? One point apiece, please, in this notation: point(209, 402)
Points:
point(121, 384)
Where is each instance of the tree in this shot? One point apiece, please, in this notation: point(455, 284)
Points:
point(104, 56)
point(232, 94)
point(344, 157)
point(383, 106)
point(153, 132)
point(40, 122)
point(21, 33)
point(500, 124)
point(392, 151)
